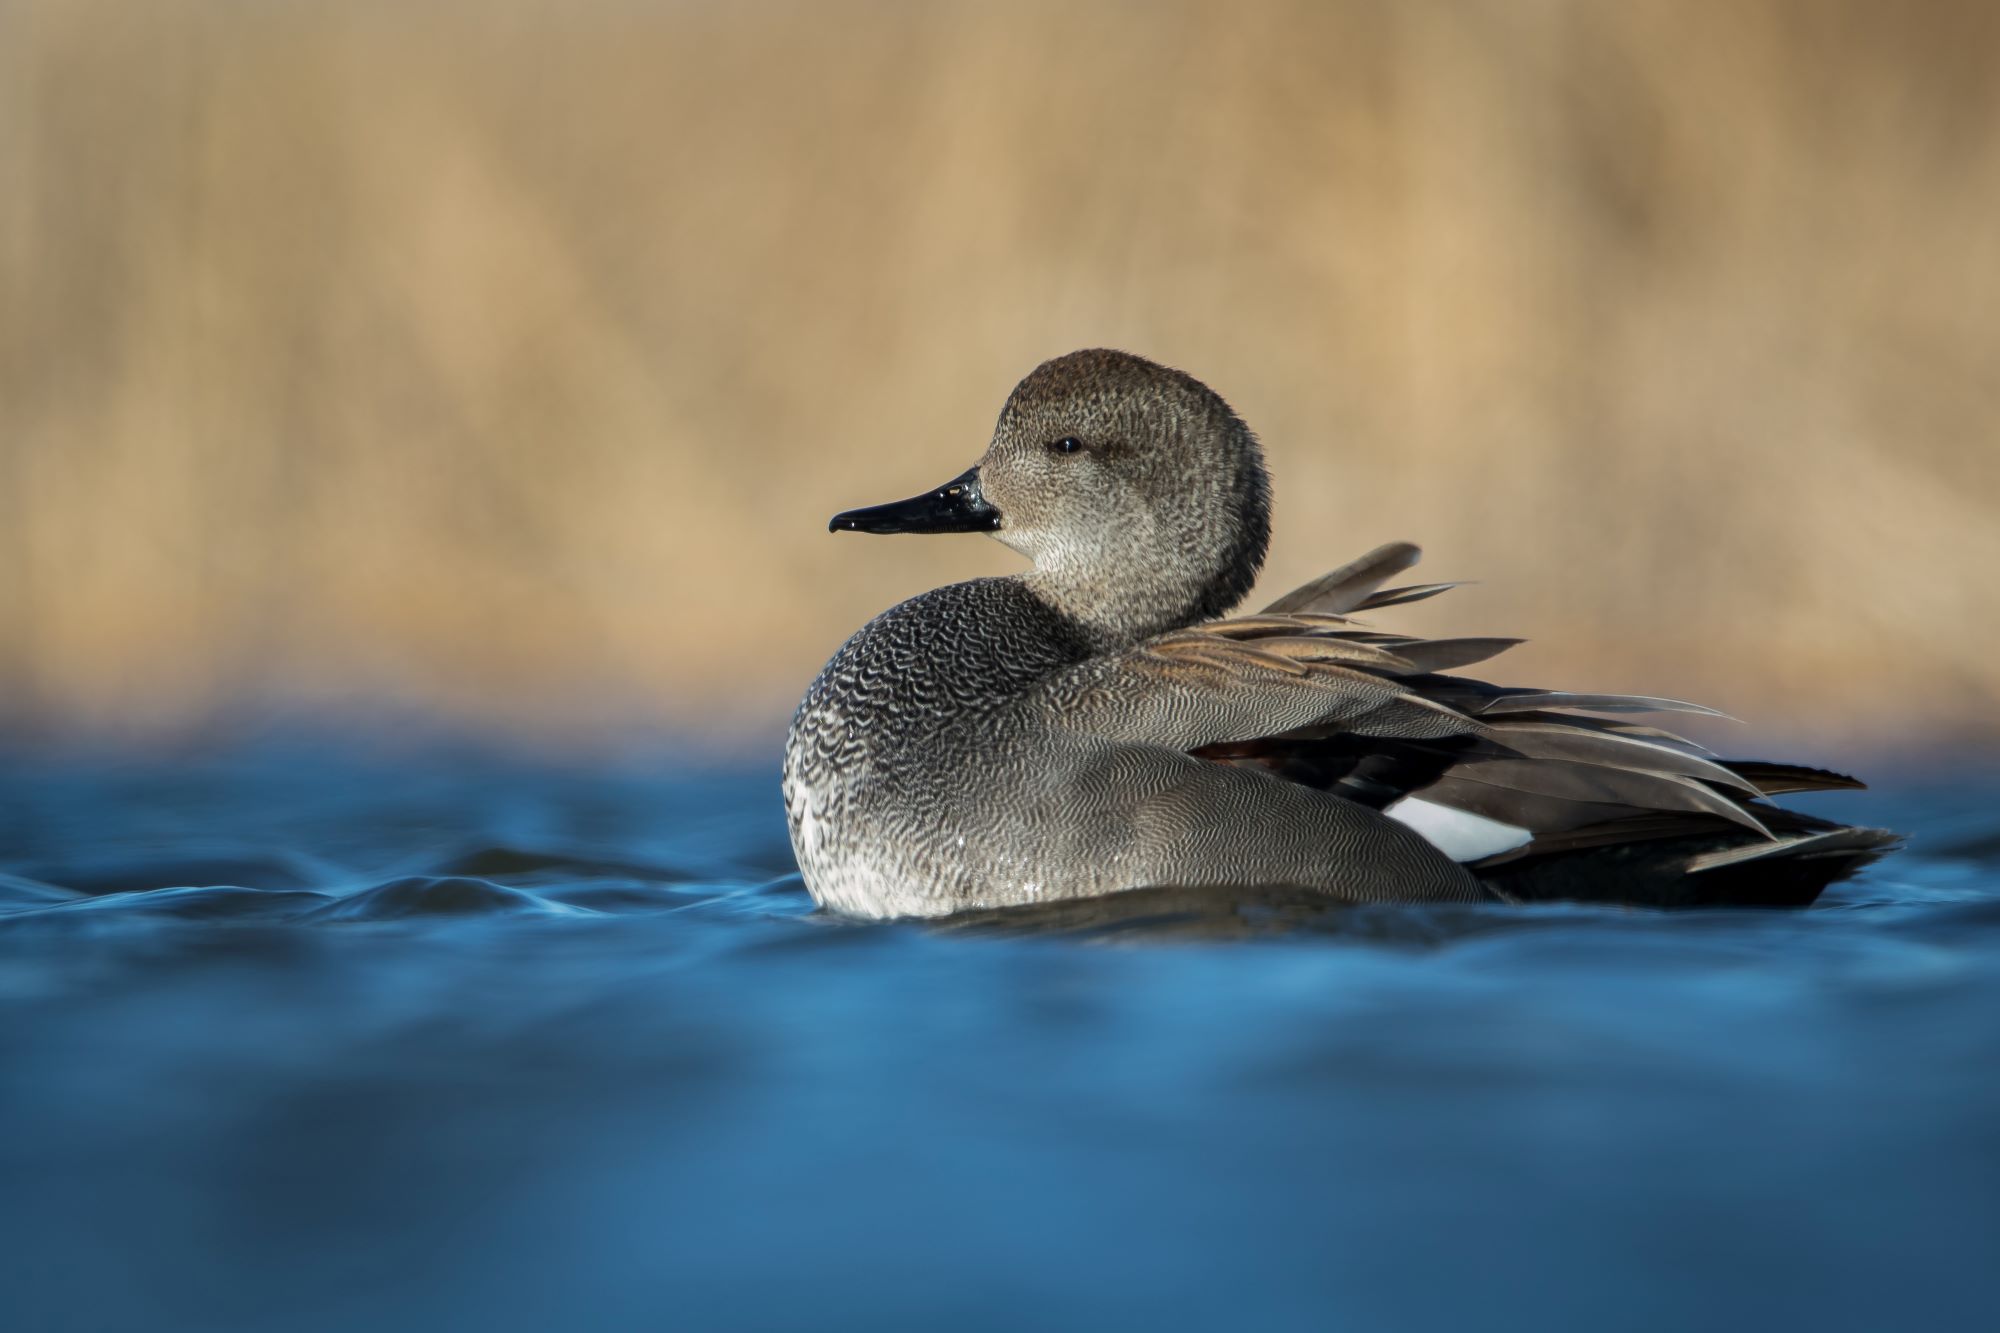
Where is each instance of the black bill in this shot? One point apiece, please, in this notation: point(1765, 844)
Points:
point(956, 506)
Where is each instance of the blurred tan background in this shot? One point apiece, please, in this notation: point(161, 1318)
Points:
point(503, 360)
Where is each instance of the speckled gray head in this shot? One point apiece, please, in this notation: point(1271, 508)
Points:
point(1139, 495)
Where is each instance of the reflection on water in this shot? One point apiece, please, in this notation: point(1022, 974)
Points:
point(291, 1040)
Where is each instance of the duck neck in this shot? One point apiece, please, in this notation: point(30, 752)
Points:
point(1117, 608)
point(1115, 616)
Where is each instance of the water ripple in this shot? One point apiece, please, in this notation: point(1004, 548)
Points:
point(553, 1047)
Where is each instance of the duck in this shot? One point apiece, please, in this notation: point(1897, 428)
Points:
point(1102, 724)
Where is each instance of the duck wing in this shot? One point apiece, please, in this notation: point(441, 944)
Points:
point(1497, 776)
point(1231, 683)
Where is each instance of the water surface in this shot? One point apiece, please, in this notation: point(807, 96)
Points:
point(293, 1038)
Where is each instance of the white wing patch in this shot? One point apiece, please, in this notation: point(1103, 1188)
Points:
point(1459, 834)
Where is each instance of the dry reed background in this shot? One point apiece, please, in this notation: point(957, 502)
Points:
point(503, 359)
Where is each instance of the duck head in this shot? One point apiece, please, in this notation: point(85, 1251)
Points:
point(1140, 496)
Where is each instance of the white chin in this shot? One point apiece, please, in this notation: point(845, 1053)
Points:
point(1012, 539)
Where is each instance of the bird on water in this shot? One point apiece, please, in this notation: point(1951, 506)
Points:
point(1096, 725)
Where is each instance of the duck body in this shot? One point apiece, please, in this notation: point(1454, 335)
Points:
point(930, 770)
point(1096, 725)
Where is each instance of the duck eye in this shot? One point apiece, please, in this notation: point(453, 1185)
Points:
point(1068, 444)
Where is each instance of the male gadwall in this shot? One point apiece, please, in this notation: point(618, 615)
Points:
point(1090, 726)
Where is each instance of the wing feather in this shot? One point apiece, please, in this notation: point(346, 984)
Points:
point(1192, 689)
point(1348, 587)
point(1595, 703)
point(1310, 694)
point(1415, 592)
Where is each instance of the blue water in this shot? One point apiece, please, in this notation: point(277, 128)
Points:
point(296, 1039)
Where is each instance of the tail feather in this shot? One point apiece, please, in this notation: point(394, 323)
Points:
point(1696, 870)
point(1867, 844)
